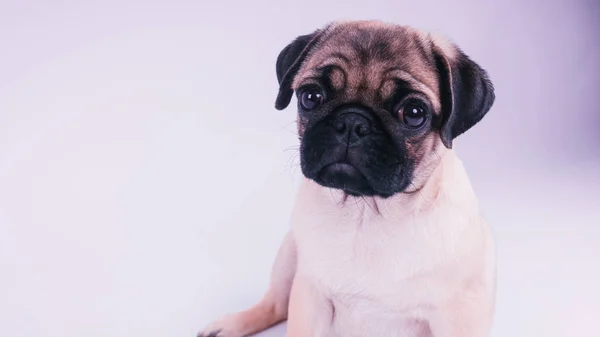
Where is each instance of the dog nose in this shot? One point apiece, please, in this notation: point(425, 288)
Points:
point(352, 126)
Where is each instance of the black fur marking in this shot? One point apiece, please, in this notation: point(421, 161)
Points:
point(360, 44)
point(342, 158)
point(288, 63)
point(402, 90)
point(371, 46)
point(467, 95)
point(381, 49)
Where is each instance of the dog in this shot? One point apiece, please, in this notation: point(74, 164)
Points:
point(386, 235)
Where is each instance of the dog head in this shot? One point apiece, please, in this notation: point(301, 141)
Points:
point(376, 102)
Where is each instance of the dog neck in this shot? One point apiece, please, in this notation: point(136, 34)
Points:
point(446, 184)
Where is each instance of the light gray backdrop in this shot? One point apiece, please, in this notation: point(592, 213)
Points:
point(146, 179)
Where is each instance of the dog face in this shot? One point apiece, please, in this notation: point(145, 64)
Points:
point(375, 103)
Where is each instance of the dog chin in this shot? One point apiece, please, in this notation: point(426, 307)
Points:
point(348, 178)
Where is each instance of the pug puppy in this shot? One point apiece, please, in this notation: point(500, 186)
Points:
point(386, 236)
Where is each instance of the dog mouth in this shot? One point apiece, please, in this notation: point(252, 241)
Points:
point(345, 176)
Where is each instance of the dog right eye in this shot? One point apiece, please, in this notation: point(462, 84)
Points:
point(311, 99)
point(414, 115)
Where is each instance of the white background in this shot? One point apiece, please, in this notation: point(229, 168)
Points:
point(146, 179)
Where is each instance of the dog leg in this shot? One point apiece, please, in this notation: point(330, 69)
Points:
point(310, 313)
point(469, 315)
point(272, 309)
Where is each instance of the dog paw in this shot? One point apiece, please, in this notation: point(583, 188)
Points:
point(225, 327)
point(210, 334)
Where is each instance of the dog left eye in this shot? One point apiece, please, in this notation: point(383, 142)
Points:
point(311, 99)
point(413, 115)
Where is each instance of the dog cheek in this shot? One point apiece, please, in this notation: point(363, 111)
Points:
point(301, 123)
point(414, 152)
point(424, 155)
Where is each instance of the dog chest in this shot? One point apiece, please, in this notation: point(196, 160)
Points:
point(381, 266)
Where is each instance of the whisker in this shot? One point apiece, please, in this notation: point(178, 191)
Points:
point(368, 205)
point(285, 127)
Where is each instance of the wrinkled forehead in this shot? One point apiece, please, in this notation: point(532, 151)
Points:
point(371, 61)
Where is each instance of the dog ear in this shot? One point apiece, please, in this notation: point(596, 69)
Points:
point(288, 63)
point(466, 92)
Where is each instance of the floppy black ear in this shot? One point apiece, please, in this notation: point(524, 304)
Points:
point(466, 91)
point(288, 63)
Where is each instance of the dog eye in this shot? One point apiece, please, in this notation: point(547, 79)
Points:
point(414, 115)
point(311, 99)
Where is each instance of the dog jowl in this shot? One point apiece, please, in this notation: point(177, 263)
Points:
point(375, 101)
